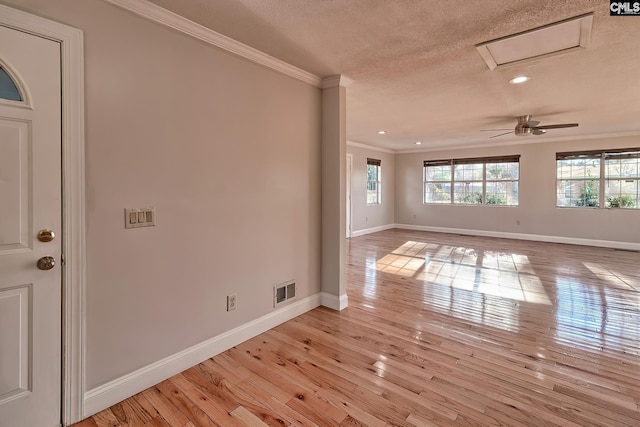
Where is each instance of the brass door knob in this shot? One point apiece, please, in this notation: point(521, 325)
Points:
point(46, 263)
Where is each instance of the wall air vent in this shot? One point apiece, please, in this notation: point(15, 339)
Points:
point(283, 292)
point(553, 39)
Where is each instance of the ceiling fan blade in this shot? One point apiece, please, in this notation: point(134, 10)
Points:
point(533, 123)
point(538, 131)
point(501, 134)
point(564, 125)
point(494, 130)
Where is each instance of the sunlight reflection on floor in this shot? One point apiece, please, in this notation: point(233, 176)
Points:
point(502, 275)
point(605, 274)
point(581, 297)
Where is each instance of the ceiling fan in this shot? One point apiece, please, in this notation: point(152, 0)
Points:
point(526, 127)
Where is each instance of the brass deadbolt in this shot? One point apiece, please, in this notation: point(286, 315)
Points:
point(46, 235)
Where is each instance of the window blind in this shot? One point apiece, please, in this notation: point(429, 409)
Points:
point(436, 163)
point(625, 153)
point(497, 159)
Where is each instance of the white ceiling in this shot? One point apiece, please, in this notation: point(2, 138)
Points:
point(417, 74)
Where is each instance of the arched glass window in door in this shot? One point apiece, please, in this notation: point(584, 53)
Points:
point(8, 89)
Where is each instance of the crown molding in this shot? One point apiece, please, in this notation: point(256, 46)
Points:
point(337, 80)
point(369, 147)
point(526, 141)
point(167, 18)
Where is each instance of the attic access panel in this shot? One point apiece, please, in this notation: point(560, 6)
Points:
point(553, 39)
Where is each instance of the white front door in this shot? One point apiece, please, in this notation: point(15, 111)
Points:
point(30, 201)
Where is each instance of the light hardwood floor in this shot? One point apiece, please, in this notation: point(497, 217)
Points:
point(441, 330)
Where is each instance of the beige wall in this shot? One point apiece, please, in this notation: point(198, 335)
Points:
point(229, 154)
point(537, 213)
point(334, 136)
point(365, 216)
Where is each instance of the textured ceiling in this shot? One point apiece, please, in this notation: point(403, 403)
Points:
point(417, 73)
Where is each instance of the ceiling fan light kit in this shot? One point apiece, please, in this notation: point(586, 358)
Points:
point(526, 127)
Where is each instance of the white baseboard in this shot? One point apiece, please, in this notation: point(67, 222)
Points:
point(521, 236)
point(106, 395)
point(334, 302)
point(373, 230)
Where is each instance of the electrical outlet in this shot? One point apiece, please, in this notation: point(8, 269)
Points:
point(231, 302)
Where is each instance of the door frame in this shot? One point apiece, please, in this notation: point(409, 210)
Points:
point(349, 213)
point(73, 200)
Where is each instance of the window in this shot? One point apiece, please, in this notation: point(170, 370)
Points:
point(437, 181)
point(8, 89)
point(486, 180)
point(580, 177)
point(373, 181)
point(502, 182)
point(467, 182)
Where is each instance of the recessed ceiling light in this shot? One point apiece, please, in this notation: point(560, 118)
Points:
point(520, 79)
point(418, 142)
point(382, 132)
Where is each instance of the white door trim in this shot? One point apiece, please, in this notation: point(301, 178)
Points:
point(349, 221)
point(73, 207)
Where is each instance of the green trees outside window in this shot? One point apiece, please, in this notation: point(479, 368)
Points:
point(475, 181)
point(373, 181)
point(581, 178)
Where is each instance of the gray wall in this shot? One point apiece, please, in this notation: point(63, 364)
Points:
point(229, 154)
point(370, 216)
point(537, 213)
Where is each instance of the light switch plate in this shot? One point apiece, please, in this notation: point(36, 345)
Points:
point(139, 217)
